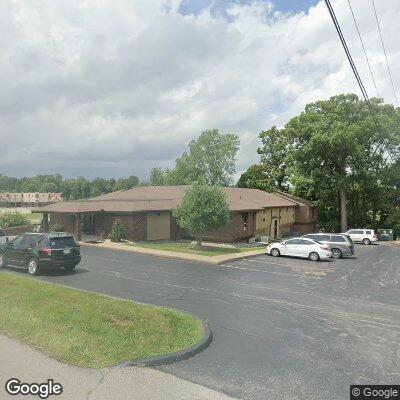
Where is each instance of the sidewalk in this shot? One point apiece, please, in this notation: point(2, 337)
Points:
point(29, 365)
point(177, 255)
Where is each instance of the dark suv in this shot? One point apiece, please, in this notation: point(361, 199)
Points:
point(35, 251)
point(340, 244)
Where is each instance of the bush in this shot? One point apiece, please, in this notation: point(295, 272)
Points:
point(117, 233)
point(9, 220)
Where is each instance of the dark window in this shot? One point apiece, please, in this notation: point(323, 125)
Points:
point(338, 239)
point(2, 233)
point(368, 232)
point(293, 241)
point(244, 220)
point(30, 240)
point(263, 219)
point(18, 240)
point(61, 242)
point(358, 232)
point(305, 242)
point(312, 237)
point(323, 238)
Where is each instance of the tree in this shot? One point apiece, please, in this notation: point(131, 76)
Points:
point(257, 177)
point(203, 209)
point(273, 153)
point(336, 154)
point(157, 177)
point(210, 160)
point(117, 233)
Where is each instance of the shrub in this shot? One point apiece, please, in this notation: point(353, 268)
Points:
point(9, 220)
point(117, 233)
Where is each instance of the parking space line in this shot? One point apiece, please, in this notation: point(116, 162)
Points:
point(270, 272)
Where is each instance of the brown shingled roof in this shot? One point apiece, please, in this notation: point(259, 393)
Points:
point(163, 198)
point(298, 200)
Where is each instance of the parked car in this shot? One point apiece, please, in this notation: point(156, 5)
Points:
point(365, 236)
point(300, 247)
point(35, 251)
point(385, 234)
point(340, 244)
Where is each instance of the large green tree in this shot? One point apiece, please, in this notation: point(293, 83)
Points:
point(337, 154)
point(210, 160)
point(203, 209)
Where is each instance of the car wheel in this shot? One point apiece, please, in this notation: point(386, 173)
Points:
point(336, 253)
point(313, 256)
point(69, 268)
point(2, 260)
point(33, 267)
point(366, 241)
point(275, 252)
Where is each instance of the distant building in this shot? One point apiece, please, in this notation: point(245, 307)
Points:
point(146, 214)
point(28, 199)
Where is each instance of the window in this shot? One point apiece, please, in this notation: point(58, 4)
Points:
point(323, 238)
point(352, 232)
point(263, 221)
point(293, 241)
point(305, 242)
point(358, 232)
point(338, 239)
point(244, 220)
point(61, 242)
point(312, 237)
point(30, 240)
point(368, 232)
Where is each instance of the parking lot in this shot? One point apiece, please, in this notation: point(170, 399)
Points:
point(284, 328)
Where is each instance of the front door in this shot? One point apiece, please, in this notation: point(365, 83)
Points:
point(13, 252)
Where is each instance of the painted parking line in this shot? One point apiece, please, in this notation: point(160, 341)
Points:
point(309, 275)
point(281, 265)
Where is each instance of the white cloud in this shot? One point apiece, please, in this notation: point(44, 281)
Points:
point(102, 88)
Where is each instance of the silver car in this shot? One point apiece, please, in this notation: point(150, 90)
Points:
point(299, 247)
point(340, 244)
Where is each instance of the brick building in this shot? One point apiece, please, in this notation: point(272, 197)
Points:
point(146, 214)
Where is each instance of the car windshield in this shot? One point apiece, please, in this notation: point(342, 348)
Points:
point(61, 242)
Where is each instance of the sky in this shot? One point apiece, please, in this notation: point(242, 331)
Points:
point(99, 88)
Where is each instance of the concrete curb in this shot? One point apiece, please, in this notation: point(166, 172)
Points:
point(173, 357)
point(216, 260)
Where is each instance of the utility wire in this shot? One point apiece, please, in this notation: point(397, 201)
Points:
point(384, 51)
point(363, 47)
point(348, 54)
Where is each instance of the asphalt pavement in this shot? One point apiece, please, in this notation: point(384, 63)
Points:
point(283, 328)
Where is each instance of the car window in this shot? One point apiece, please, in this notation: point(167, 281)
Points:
point(30, 240)
point(323, 238)
point(368, 232)
point(351, 232)
point(2, 233)
point(61, 242)
point(305, 242)
point(292, 241)
point(309, 236)
point(17, 241)
point(338, 239)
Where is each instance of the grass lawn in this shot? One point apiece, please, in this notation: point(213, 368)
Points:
point(89, 330)
point(34, 216)
point(187, 247)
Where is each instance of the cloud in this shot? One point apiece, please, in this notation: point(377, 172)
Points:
point(111, 89)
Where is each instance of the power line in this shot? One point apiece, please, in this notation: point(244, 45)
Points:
point(384, 51)
point(350, 58)
point(363, 47)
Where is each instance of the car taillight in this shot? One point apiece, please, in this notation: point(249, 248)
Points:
point(324, 247)
point(46, 251)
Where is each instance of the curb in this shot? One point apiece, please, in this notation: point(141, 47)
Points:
point(184, 256)
point(173, 357)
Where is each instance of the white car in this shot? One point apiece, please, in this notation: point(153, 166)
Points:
point(365, 236)
point(300, 247)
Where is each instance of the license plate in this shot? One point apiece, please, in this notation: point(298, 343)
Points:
point(67, 251)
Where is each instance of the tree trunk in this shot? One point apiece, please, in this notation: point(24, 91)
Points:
point(343, 210)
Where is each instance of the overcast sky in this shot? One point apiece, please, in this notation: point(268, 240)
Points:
point(112, 88)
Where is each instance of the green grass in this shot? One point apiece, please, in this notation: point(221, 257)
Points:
point(90, 330)
point(34, 216)
point(187, 247)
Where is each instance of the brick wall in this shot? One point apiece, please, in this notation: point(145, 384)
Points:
point(67, 222)
point(134, 225)
point(234, 231)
